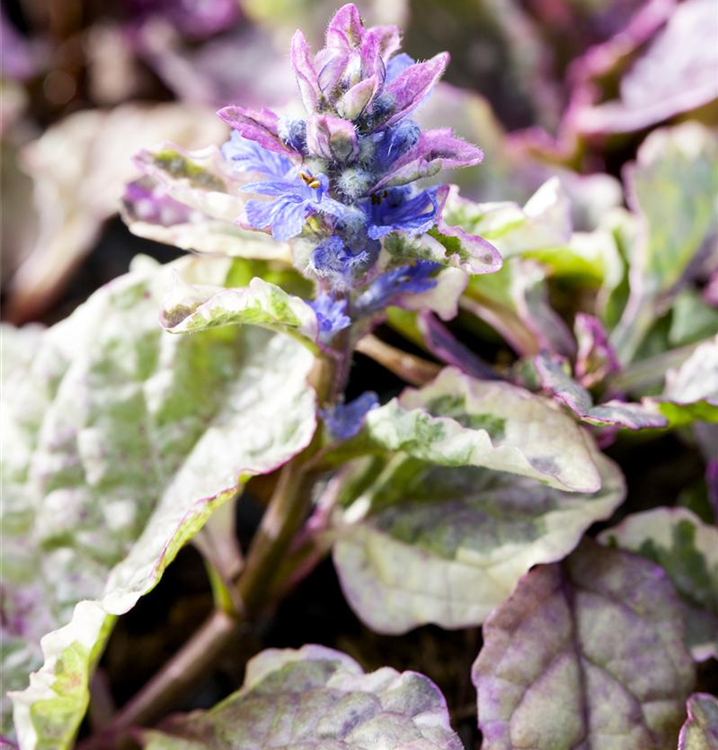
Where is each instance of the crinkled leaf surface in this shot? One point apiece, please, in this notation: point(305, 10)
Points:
point(687, 549)
point(587, 653)
point(459, 421)
point(320, 699)
point(555, 379)
point(672, 188)
point(187, 309)
point(700, 730)
point(445, 545)
point(123, 441)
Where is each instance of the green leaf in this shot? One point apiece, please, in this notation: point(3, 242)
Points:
point(188, 309)
point(672, 188)
point(320, 699)
point(425, 544)
point(687, 549)
point(585, 653)
point(692, 319)
point(700, 730)
point(123, 441)
point(459, 421)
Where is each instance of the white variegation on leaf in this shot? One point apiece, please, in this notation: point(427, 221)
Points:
point(687, 549)
point(426, 544)
point(459, 421)
point(128, 439)
point(543, 222)
point(585, 653)
point(188, 309)
point(691, 390)
point(320, 699)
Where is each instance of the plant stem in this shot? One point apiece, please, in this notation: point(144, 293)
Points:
point(410, 368)
point(180, 673)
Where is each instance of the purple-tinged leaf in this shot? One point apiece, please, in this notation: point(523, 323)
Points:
point(331, 138)
point(346, 29)
point(687, 549)
point(595, 358)
point(411, 86)
point(459, 421)
point(320, 699)
point(159, 431)
point(585, 653)
point(700, 729)
point(260, 126)
point(675, 74)
point(447, 245)
point(436, 150)
point(428, 544)
point(442, 343)
point(306, 75)
point(554, 376)
point(353, 103)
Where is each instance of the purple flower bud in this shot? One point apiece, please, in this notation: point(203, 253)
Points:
point(331, 138)
point(261, 126)
point(333, 262)
point(331, 315)
point(294, 134)
point(345, 420)
point(410, 87)
point(395, 142)
point(386, 289)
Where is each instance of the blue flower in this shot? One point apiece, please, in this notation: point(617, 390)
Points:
point(345, 420)
point(337, 264)
point(331, 315)
point(396, 212)
point(297, 198)
point(397, 65)
point(385, 290)
point(395, 142)
point(249, 156)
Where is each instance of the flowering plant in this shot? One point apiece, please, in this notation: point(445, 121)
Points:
point(468, 499)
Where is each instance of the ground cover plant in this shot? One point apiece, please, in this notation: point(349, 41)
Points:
point(387, 456)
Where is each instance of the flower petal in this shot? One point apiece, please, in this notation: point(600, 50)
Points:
point(304, 71)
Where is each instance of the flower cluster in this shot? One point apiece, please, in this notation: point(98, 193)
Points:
point(342, 178)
